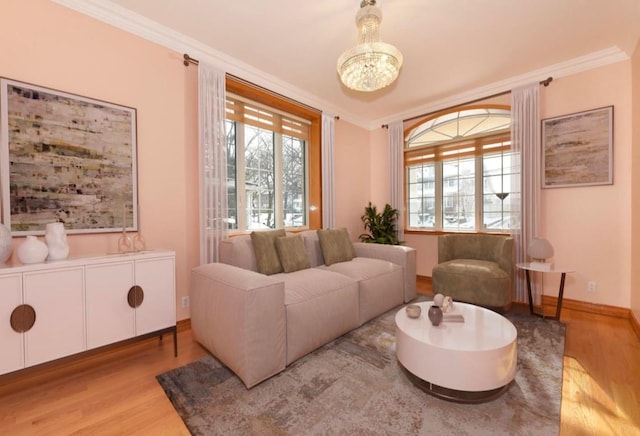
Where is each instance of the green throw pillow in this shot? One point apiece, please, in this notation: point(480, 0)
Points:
point(293, 255)
point(264, 247)
point(336, 246)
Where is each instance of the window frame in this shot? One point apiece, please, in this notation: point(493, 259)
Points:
point(446, 150)
point(278, 102)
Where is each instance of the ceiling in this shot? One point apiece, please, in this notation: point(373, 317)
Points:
point(454, 50)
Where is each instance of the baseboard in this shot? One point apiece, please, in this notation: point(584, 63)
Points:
point(549, 307)
point(549, 303)
point(183, 324)
point(635, 325)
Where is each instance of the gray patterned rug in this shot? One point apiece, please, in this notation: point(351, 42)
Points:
point(354, 386)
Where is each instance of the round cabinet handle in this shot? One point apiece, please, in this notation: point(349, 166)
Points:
point(135, 296)
point(23, 318)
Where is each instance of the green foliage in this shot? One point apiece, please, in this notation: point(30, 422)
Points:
point(381, 226)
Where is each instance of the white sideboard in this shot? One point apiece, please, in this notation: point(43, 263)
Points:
point(60, 308)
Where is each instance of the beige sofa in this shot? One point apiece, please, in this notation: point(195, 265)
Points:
point(256, 324)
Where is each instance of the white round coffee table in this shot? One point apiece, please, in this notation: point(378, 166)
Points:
point(470, 361)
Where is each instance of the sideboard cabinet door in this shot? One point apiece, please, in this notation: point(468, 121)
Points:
point(157, 311)
point(11, 341)
point(109, 316)
point(57, 297)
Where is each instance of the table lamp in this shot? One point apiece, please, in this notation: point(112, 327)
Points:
point(540, 250)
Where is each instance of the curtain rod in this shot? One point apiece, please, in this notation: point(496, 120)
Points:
point(187, 60)
point(544, 83)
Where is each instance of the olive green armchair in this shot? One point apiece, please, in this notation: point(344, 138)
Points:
point(476, 269)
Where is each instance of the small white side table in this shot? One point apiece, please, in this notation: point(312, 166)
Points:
point(526, 266)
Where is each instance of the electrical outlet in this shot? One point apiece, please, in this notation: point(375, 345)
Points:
point(591, 286)
point(185, 301)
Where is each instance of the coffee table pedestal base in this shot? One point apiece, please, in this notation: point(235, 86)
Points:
point(453, 395)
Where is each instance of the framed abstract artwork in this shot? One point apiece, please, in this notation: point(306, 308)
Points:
point(66, 158)
point(577, 149)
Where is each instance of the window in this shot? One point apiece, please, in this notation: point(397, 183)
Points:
point(461, 174)
point(272, 161)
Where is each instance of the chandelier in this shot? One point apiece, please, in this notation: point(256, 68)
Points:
point(372, 64)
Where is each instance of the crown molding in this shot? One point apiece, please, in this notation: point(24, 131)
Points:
point(136, 24)
point(131, 22)
point(567, 68)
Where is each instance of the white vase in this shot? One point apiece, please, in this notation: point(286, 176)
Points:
point(56, 239)
point(5, 243)
point(32, 250)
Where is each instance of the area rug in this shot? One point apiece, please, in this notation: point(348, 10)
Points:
point(355, 386)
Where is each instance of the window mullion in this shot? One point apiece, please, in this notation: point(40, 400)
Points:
point(241, 191)
point(479, 192)
point(278, 185)
point(439, 193)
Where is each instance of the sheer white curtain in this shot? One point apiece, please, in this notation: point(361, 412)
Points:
point(396, 169)
point(213, 161)
point(328, 189)
point(525, 140)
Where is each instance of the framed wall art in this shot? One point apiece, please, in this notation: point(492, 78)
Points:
point(577, 149)
point(66, 158)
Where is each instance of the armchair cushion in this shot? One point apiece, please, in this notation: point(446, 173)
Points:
point(476, 269)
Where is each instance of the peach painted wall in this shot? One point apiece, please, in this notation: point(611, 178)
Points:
point(595, 243)
point(590, 227)
point(52, 46)
point(352, 161)
point(379, 181)
point(635, 188)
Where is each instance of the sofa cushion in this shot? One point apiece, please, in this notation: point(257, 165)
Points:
point(292, 253)
point(336, 245)
point(380, 284)
point(264, 247)
point(320, 306)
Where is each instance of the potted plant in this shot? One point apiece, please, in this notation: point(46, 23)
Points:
point(381, 226)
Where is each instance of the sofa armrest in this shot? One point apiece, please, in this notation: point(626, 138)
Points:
point(239, 316)
point(398, 254)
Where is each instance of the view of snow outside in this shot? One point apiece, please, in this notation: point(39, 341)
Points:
point(500, 193)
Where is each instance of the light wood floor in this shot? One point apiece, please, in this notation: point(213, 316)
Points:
point(115, 392)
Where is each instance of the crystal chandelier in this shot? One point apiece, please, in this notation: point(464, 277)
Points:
point(372, 64)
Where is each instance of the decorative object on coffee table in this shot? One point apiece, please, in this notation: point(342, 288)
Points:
point(435, 315)
point(56, 240)
point(413, 310)
point(5, 243)
point(438, 299)
point(32, 250)
point(447, 304)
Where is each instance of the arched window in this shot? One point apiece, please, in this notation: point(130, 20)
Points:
point(461, 173)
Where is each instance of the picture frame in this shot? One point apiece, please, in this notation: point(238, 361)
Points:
point(66, 158)
point(577, 149)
